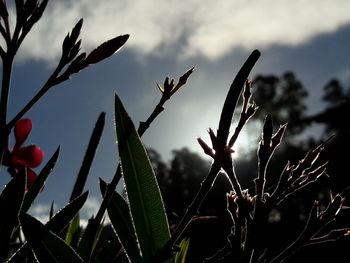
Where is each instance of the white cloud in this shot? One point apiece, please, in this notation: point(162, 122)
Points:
point(206, 28)
point(90, 208)
point(41, 212)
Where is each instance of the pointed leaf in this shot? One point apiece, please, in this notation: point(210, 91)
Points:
point(38, 185)
point(58, 222)
point(10, 204)
point(89, 239)
point(119, 214)
point(146, 204)
point(180, 257)
point(89, 156)
point(46, 245)
point(73, 230)
point(84, 172)
point(232, 98)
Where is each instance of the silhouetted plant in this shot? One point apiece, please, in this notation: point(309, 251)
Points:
point(141, 228)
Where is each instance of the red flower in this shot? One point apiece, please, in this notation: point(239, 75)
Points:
point(24, 156)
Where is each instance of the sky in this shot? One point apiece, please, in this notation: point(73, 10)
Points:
point(308, 37)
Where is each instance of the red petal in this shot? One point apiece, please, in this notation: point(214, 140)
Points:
point(22, 130)
point(29, 156)
point(31, 177)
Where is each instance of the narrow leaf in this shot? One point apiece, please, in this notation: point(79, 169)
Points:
point(119, 214)
point(84, 171)
point(232, 98)
point(89, 156)
point(89, 239)
point(40, 181)
point(10, 204)
point(73, 230)
point(180, 257)
point(146, 204)
point(46, 245)
point(58, 222)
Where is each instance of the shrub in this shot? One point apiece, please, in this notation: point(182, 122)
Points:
point(141, 230)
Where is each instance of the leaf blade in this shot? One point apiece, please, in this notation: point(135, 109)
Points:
point(11, 199)
point(119, 214)
point(232, 98)
point(39, 182)
point(146, 204)
point(58, 222)
point(47, 246)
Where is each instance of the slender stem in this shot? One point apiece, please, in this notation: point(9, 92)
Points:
point(5, 90)
point(235, 184)
point(157, 110)
point(3, 32)
point(46, 87)
point(192, 210)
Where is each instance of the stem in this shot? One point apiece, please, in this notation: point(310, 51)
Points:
point(192, 210)
point(144, 125)
point(235, 184)
point(253, 233)
point(5, 90)
point(49, 84)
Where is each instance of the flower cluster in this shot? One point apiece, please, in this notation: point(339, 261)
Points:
point(23, 156)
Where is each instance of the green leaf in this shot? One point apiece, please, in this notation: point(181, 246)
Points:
point(146, 204)
point(40, 181)
point(73, 230)
point(119, 214)
point(180, 257)
point(58, 222)
point(89, 239)
point(47, 247)
point(10, 204)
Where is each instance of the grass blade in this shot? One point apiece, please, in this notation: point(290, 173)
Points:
point(146, 204)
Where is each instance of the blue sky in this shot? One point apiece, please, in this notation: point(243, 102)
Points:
point(166, 38)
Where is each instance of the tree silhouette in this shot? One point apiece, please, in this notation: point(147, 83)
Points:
point(284, 96)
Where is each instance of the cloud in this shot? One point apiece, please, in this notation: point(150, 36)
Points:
point(90, 208)
point(205, 28)
point(41, 212)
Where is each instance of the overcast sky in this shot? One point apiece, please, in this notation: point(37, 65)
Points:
point(309, 37)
